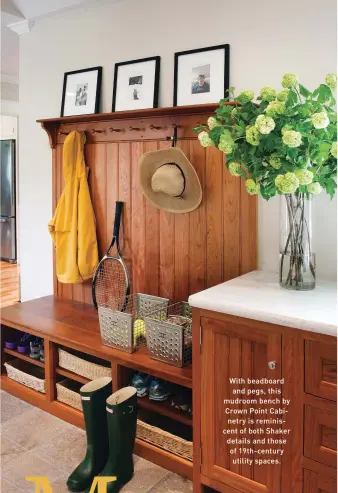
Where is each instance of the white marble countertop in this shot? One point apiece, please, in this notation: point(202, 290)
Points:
point(258, 296)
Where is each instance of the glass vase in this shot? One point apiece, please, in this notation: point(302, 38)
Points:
point(297, 260)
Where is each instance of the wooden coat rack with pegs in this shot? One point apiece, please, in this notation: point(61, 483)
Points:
point(170, 255)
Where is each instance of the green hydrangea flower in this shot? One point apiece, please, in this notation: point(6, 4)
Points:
point(320, 120)
point(268, 93)
point(264, 124)
point(287, 183)
point(252, 187)
point(334, 150)
point(304, 176)
point(291, 138)
point(252, 135)
point(204, 139)
point(275, 108)
point(314, 188)
point(235, 169)
point(289, 80)
point(331, 80)
point(245, 96)
point(226, 144)
point(212, 122)
point(274, 161)
point(283, 95)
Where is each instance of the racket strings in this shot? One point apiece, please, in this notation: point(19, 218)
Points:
point(111, 285)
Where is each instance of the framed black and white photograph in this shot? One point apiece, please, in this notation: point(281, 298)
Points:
point(136, 84)
point(201, 76)
point(81, 92)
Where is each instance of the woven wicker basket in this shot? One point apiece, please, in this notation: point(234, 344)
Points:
point(26, 374)
point(164, 440)
point(67, 392)
point(89, 369)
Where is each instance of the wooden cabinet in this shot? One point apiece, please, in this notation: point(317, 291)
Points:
point(320, 438)
point(230, 355)
point(321, 370)
point(316, 483)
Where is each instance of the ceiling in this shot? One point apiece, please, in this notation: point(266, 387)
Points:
point(18, 10)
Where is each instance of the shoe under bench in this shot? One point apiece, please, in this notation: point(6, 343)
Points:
point(75, 325)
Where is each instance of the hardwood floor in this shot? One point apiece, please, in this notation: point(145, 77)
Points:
point(9, 284)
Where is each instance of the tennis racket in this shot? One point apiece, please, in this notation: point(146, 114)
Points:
point(111, 285)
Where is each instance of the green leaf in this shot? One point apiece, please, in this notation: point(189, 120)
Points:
point(304, 92)
point(216, 132)
point(224, 111)
point(324, 94)
point(198, 129)
point(292, 98)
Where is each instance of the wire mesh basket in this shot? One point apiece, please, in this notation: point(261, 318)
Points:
point(169, 334)
point(125, 329)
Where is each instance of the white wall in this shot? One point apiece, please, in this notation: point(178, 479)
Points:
point(267, 39)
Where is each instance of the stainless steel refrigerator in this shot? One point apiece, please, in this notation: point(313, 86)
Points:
point(8, 201)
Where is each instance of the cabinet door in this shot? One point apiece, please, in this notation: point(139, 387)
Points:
point(232, 351)
point(316, 483)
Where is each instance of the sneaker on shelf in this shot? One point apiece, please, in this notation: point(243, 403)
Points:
point(159, 390)
point(13, 340)
point(23, 344)
point(141, 383)
point(35, 347)
point(42, 352)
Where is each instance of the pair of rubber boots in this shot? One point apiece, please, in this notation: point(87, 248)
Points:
point(110, 421)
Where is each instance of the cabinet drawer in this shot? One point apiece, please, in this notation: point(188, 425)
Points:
point(316, 483)
point(321, 369)
point(320, 442)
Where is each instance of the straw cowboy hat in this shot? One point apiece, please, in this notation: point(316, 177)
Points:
point(169, 181)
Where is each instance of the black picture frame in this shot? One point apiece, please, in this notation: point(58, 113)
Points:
point(225, 47)
point(157, 60)
point(98, 87)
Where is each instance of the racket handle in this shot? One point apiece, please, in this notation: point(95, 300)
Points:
point(117, 222)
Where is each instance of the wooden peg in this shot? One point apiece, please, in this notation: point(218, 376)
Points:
point(137, 129)
point(112, 129)
point(154, 127)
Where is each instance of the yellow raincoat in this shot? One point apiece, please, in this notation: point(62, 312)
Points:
point(73, 226)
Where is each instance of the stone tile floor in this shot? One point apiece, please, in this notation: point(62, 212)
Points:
point(35, 443)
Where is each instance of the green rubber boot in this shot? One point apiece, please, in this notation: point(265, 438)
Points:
point(122, 418)
point(93, 397)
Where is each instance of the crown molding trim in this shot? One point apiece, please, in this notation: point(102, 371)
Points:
point(21, 27)
point(10, 79)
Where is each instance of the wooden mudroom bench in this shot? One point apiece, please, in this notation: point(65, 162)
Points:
point(74, 325)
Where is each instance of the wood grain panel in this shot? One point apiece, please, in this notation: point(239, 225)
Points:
point(137, 222)
point(197, 224)
point(316, 483)
point(181, 241)
point(214, 219)
point(224, 347)
point(167, 251)
point(320, 443)
point(125, 196)
point(171, 255)
point(248, 230)
point(152, 239)
point(231, 225)
point(321, 370)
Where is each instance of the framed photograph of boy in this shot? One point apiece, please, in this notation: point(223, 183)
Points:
point(201, 76)
point(81, 92)
point(136, 84)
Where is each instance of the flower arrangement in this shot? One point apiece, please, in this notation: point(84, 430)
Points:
point(287, 143)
